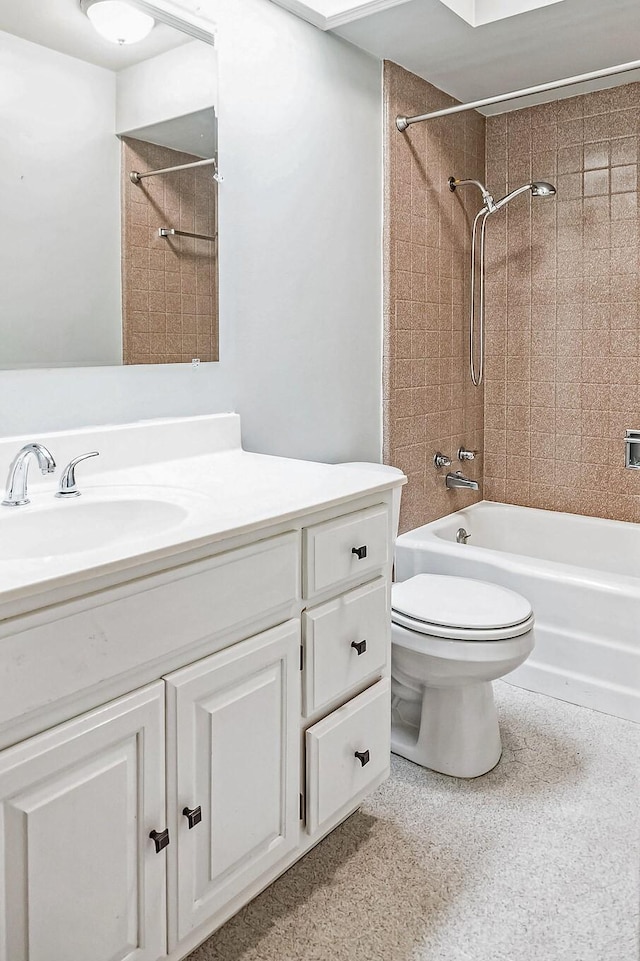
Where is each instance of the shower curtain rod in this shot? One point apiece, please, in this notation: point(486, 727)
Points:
point(403, 123)
point(137, 177)
point(172, 232)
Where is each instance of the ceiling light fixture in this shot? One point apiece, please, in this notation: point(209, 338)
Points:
point(117, 21)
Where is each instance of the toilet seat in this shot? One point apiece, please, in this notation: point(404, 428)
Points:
point(459, 608)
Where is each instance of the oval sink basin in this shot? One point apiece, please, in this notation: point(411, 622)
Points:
point(86, 523)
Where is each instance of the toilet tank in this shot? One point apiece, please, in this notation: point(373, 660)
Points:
point(385, 471)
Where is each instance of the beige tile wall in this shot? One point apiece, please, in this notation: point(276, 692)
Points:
point(429, 403)
point(563, 307)
point(170, 286)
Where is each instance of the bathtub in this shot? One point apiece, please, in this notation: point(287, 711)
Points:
point(582, 578)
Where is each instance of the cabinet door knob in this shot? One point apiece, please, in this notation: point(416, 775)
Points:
point(193, 816)
point(160, 839)
point(360, 552)
point(363, 757)
point(359, 646)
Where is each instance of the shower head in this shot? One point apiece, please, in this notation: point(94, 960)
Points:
point(539, 188)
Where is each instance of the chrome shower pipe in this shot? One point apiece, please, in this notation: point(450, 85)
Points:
point(477, 374)
point(537, 188)
point(403, 123)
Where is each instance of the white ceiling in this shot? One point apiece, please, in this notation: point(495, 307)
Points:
point(329, 14)
point(61, 25)
point(477, 12)
point(553, 41)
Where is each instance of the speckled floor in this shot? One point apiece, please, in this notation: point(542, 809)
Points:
point(536, 861)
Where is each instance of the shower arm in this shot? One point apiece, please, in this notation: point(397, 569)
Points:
point(486, 196)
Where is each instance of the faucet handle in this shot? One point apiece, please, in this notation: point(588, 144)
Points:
point(464, 454)
point(441, 460)
point(67, 486)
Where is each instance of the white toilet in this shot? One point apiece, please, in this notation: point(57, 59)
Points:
point(450, 638)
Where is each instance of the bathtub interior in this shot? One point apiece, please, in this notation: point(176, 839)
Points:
point(587, 542)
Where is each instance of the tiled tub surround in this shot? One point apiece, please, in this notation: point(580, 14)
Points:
point(429, 403)
point(169, 284)
point(563, 307)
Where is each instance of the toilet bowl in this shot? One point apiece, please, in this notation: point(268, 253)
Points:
point(450, 638)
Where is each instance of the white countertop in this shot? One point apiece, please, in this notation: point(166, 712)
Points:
point(226, 492)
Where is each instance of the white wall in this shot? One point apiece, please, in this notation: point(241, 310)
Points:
point(60, 170)
point(149, 92)
point(300, 257)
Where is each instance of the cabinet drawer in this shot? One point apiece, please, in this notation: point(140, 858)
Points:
point(336, 777)
point(345, 548)
point(346, 641)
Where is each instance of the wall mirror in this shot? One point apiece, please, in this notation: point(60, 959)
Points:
point(100, 267)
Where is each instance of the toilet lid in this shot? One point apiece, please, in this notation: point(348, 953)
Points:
point(458, 602)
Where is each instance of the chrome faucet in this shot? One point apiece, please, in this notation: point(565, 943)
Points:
point(68, 486)
point(457, 480)
point(16, 492)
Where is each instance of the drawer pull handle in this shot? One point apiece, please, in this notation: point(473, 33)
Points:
point(359, 646)
point(193, 816)
point(360, 552)
point(160, 839)
point(363, 757)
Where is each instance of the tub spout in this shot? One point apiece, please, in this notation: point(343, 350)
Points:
point(457, 480)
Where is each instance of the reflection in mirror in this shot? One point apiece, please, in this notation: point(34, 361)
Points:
point(101, 267)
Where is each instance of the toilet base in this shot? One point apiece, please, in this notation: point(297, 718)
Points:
point(455, 732)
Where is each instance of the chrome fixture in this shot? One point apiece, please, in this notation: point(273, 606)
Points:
point(538, 188)
point(68, 486)
point(403, 123)
point(136, 177)
point(458, 481)
point(441, 460)
point(464, 454)
point(170, 232)
point(462, 536)
point(16, 492)
point(632, 449)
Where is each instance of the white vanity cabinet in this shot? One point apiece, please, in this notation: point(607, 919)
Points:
point(82, 878)
point(79, 876)
point(246, 681)
point(233, 769)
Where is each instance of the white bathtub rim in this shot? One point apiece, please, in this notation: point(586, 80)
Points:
point(614, 584)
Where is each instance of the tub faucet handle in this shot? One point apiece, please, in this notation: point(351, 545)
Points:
point(441, 460)
point(464, 454)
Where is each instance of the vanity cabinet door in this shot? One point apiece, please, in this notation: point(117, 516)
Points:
point(79, 876)
point(233, 773)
